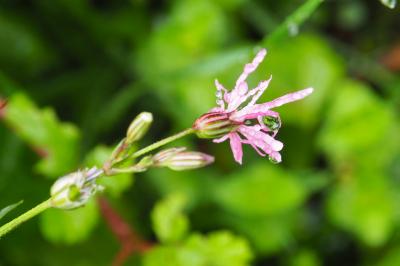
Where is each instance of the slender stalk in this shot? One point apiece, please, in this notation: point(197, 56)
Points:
point(293, 22)
point(162, 142)
point(24, 217)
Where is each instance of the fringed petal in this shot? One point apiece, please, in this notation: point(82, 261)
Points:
point(250, 67)
point(221, 94)
point(236, 146)
point(222, 139)
point(237, 97)
point(292, 97)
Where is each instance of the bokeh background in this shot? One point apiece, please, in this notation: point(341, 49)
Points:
point(75, 72)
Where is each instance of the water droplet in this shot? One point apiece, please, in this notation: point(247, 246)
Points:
point(272, 160)
point(271, 122)
point(293, 29)
point(389, 3)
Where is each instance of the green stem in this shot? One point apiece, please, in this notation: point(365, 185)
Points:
point(24, 217)
point(293, 22)
point(162, 142)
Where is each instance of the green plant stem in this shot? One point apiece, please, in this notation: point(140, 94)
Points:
point(162, 142)
point(293, 22)
point(24, 217)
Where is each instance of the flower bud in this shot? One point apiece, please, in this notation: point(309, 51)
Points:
point(75, 189)
point(178, 159)
point(143, 164)
point(165, 155)
point(214, 125)
point(139, 127)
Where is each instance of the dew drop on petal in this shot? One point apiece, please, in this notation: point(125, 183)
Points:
point(272, 160)
point(271, 122)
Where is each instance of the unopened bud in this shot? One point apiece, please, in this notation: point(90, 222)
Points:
point(213, 125)
point(178, 159)
point(165, 155)
point(75, 189)
point(139, 127)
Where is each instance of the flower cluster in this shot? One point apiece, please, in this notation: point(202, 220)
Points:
point(239, 119)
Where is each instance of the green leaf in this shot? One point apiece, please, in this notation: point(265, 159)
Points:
point(263, 189)
point(162, 255)
point(56, 142)
point(22, 49)
point(389, 3)
point(277, 229)
point(169, 222)
point(390, 257)
point(114, 185)
point(194, 29)
point(359, 127)
point(364, 204)
point(305, 257)
point(9, 208)
point(191, 186)
point(219, 248)
point(69, 227)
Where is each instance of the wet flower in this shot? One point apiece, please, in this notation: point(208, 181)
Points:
point(241, 120)
point(74, 190)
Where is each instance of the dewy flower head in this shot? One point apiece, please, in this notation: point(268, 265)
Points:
point(75, 189)
point(239, 119)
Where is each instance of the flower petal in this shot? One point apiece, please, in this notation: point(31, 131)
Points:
point(237, 97)
point(276, 156)
point(258, 91)
point(250, 67)
point(221, 94)
point(241, 96)
point(261, 139)
point(221, 139)
point(236, 146)
point(242, 116)
point(291, 97)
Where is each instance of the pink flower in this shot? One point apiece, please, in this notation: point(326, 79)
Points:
point(239, 119)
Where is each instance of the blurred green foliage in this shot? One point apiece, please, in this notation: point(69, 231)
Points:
point(74, 73)
point(218, 248)
point(169, 224)
point(56, 142)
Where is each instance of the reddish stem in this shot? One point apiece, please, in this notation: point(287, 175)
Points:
point(130, 241)
point(391, 59)
point(3, 104)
